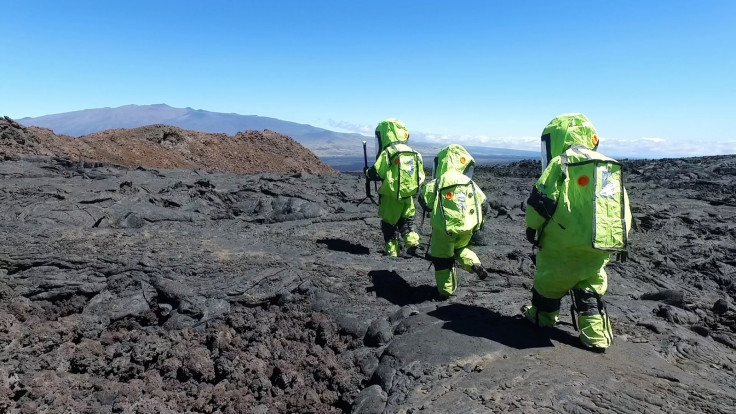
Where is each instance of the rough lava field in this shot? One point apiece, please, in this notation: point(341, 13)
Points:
point(145, 289)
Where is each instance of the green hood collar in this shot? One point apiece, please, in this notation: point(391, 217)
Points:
point(453, 157)
point(565, 131)
point(389, 131)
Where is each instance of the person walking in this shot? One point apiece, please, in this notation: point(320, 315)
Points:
point(456, 205)
point(401, 170)
point(577, 215)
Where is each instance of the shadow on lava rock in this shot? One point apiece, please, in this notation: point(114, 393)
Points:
point(340, 245)
point(392, 287)
point(512, 331)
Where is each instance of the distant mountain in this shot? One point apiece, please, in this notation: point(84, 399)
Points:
point(343, 151)
point(322, 142)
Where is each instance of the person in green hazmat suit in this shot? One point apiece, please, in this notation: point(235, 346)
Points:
point(578, 215)
point(401, 170)
point(456, 204)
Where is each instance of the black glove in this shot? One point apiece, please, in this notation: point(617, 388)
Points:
point(531, 235)
point(423, 204)
point(371, 174)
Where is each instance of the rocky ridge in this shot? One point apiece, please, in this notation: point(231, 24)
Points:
point(163, 146)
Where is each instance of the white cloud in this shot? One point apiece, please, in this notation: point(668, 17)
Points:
point(519, 143)
point(366, 130)
point(660, 147)
point(647, 147)
point(653, 139)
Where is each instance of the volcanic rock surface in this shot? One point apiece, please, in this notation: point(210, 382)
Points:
point(179, 290)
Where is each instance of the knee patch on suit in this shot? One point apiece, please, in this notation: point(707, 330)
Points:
point(545, 304)
point(588, 303)
point(389, 231)
point(405, 225)
point(592, 320)
point(443, 263)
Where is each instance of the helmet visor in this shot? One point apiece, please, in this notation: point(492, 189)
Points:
point(545, 154)
point(378, 144)
point(470, 170)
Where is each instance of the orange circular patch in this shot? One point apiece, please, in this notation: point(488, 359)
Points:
point(583, 180)
point(595, 139)
point(396, 161)
point(462, 160)
point(448, 196)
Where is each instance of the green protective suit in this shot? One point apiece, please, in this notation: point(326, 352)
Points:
point(579, 211)
point(456, 206)
point(401, 170)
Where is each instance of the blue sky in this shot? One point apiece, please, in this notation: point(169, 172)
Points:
point(657, 78)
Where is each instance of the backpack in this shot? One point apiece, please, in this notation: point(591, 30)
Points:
point(406, 171)
point(460, 207)
point(599, 197)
